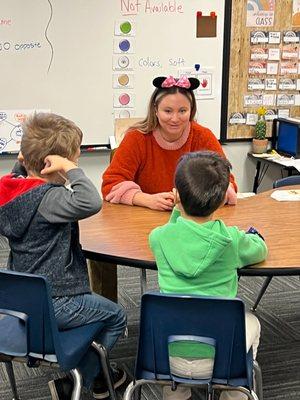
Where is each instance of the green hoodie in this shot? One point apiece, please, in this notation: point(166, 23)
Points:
point(202, 259)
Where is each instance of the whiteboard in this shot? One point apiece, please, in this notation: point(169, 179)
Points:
point(63, 56)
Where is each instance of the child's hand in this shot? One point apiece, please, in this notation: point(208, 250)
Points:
point(20, 158)
point(253, 231)
point(231, 196)
point(54, 163)
point(176, 196)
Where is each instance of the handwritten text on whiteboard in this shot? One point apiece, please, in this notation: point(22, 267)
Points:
point(134, 7)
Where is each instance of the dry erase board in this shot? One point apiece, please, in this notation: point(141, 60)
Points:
point(94, 61)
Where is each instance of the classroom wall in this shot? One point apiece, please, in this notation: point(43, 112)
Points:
point(243, 168)
point(240, 49)
point(71, 50)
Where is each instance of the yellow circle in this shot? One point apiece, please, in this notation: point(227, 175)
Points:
point(123, 79)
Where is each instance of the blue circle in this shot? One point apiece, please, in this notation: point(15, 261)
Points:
point(124, 45)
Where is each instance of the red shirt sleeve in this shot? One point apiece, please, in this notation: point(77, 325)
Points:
point(125, 163)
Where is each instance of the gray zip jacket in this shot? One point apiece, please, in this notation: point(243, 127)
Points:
point(40, 221)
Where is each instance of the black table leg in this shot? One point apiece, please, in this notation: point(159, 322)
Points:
point(256, 179)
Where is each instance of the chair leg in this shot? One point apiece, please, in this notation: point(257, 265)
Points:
point(77, 379)
point(250, 394)
point(258, 384)
point(134, 388)
point(254, 396)
point(129, 391)
point(12, 380)
point(137, 393)
point(143, 280)
point(106, 368)
point(210, 396)
point(209, 392)
point(262, 291)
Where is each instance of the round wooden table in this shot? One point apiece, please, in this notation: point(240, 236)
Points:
point(118, 234)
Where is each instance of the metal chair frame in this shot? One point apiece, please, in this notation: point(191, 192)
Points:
point(163, 315)
point(32, 337)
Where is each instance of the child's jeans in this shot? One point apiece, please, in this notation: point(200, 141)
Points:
point(73, 311)
point(196, 368)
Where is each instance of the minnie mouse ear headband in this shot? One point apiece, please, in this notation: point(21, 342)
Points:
point(163, 82)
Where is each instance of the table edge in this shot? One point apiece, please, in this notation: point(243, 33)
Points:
point(246, 271)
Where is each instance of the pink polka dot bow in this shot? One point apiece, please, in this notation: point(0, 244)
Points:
point(182, 82)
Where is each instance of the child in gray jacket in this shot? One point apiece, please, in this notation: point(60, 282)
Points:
point(39, 216)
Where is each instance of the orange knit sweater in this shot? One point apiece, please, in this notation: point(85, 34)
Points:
point(140, 159)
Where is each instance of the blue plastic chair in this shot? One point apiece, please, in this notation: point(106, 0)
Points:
point(196, 318)
point(29, 333)
point(288, 181)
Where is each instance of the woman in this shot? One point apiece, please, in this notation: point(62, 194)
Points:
point(142, 170)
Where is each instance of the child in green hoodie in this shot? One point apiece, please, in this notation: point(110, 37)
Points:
point(197, 254)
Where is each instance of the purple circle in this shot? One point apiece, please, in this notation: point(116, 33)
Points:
point(124, 45)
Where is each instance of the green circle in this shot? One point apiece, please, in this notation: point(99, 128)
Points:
point(125, 27)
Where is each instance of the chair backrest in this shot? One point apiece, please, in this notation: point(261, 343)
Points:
point(164, 315)
point(121, 126)
point(29, 294)
point(289, 180)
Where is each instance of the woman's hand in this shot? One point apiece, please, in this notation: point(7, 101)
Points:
point(159, 201)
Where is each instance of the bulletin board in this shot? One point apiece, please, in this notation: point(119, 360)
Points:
point(94, 61)
point(287, 84)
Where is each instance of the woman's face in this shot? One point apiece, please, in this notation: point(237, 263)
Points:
point(173, 114)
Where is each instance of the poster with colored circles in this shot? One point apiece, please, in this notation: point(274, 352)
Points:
point(123, 99)
point(123, 80)
point(124, 28)
point(123, 45)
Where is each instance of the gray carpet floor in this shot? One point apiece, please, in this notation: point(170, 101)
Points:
point(278, 355)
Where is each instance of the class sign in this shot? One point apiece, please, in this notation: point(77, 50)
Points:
point(260, 13)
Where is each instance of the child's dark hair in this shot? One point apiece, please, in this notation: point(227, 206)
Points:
point(202, 179)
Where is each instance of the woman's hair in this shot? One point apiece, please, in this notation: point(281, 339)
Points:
point(202, 179)
point(45, 134)
point(151, 121)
